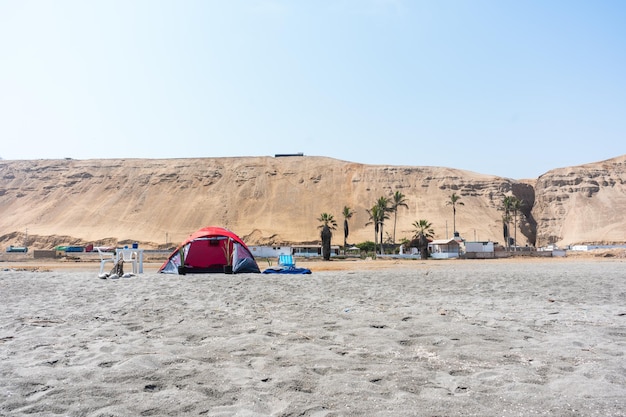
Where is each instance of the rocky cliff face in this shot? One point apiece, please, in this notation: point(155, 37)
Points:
point(584, 204)
point(278, 200)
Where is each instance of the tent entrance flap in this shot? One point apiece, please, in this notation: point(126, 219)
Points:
point(210, 250)
point(208, 255)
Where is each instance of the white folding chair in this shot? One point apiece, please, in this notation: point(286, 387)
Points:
point(104, 258)
point(129, 256)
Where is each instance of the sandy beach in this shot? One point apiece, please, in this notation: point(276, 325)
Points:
point(421, 338)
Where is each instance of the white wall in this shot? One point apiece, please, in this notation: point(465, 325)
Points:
point(478, 246)
point(269, 251)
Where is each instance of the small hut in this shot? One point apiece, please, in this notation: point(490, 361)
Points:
point(444, 248)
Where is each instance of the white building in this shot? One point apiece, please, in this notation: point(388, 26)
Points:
point(479, 250)
point(479, 247)
point(313, 250)
point(270, 251)
point(444, 248)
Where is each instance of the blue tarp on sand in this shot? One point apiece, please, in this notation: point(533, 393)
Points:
point(292, 270)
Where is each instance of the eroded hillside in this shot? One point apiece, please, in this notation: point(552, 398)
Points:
point(584, 204)
point(278, 200)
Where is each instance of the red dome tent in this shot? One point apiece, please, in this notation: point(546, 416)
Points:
point(210, 250)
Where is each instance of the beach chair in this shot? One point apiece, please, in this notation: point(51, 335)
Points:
point(286, 265)
point(129, 257)
point(286, 261)
point(104, 258)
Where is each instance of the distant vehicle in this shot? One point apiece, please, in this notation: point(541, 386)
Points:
point(103, 249)
point(74, 249)
point(12, 248)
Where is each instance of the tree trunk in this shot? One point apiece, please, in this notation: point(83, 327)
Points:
point(345, 236)
point(375, 238)
point(326, 237)
point(505, 232)
point(395, 220)
point(454, 220)
point(515, 230)
point(423, 246)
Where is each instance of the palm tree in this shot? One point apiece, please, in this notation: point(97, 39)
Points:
point(423, 227)
point(422, 232)
point(373, 214)
point(328, 223)
point(398, 200)
point(454, 201)
point(383, 209)
point(327, 220)
point(347, 215)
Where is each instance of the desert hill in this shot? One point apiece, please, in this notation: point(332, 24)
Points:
point(269, 200)
point(583, 204)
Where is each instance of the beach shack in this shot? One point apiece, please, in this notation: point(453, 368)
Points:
point(479, 250)
point(444, 248)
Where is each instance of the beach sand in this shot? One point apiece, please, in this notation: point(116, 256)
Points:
point(421, 338)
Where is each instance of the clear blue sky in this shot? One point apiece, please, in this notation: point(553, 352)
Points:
point(510, 88)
